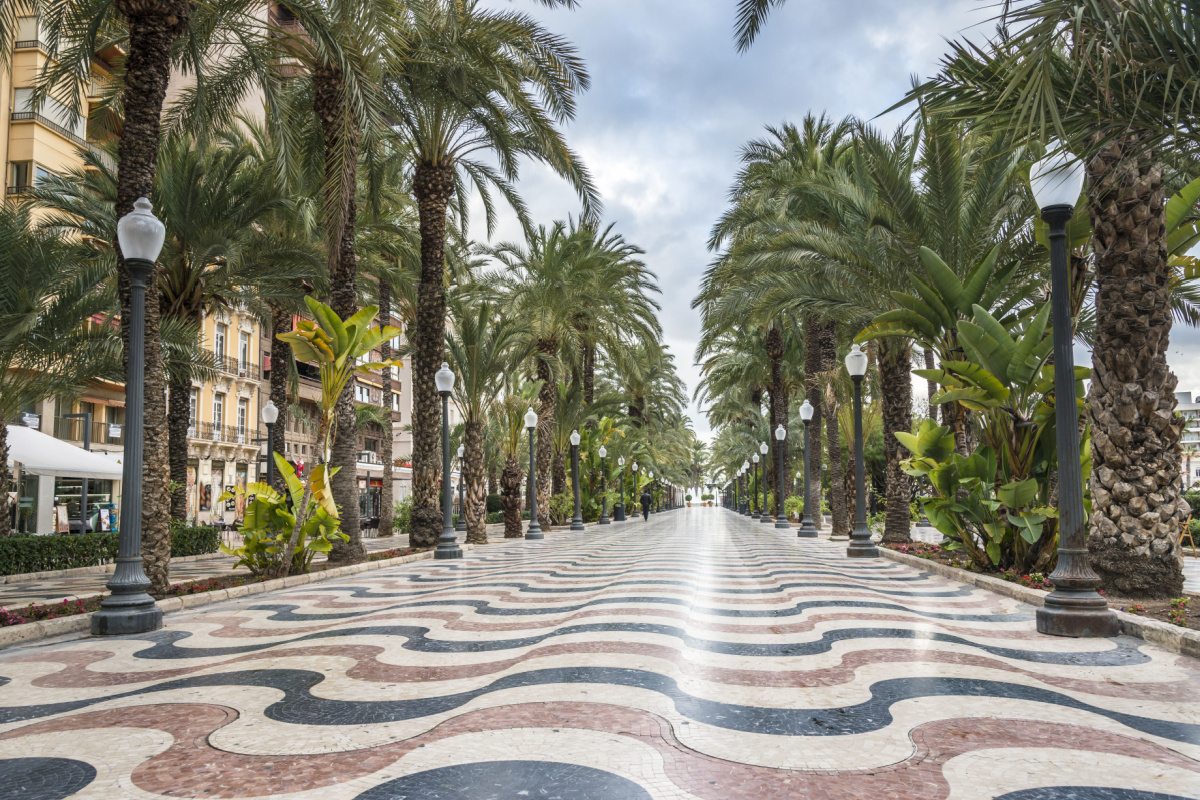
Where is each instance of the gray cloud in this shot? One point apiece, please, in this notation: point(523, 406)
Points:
point(672, 103)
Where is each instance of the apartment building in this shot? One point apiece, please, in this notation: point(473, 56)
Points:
point(1190, 441)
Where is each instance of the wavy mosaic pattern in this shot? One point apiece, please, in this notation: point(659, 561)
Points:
point(697, 656)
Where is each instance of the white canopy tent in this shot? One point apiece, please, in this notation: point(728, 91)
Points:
point(39, 454)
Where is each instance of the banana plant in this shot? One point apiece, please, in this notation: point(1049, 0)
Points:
point(997, 502)
point(308, 517)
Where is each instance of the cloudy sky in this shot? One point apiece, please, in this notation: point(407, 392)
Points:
point(672, 102)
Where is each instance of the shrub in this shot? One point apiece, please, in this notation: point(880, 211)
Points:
point(494, 517)
point(562, 505)
point(687, 498)
point(493, 504)
point(402, 516)
point(30, 553)
point(193, 540)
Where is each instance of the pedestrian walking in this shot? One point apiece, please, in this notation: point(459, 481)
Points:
point(646, 498)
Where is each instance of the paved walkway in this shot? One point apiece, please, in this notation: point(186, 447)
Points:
point(698, 656)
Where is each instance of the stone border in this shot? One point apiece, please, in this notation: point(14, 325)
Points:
point(99, 569)
point(1169, 637)
point(31, 631)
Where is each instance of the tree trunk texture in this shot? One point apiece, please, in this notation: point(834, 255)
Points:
point(475, 487)
point(547, 349)
point(6, 528)
point(510, 497)
point(281, 359)
point(386, 522)
point(589, 374)
point(896, 390)
point(779, 415)
point(178, 416)
point(329, 102)
point(433, 186)
point(931, 386)
point(838, 508)
point(153, 27)
point(493, 481)
point(813, 364)
point(558, 478)
point(1137, 509)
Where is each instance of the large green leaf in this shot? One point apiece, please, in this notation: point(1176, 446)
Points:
point(978, 375)
point(947, 284)
point(932, 299)
point(977, 281)
point(1180, 204)
point(984, 349)
point(1018, 493)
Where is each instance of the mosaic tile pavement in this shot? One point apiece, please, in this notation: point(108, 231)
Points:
point(700, 655)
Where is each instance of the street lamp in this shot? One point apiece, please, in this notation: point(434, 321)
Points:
point(766, 512)
point(129, 608)
point(1074, 608)
point(577, 520)
point(635, 486)
point(860, 545)
point(603, 452)
point(653, 503)
point(619, 511)
point(270, 415)
point(807, 529)
point(745, 486)
point(754, 489)
point(462, 508)
point(781, 520)
point(447, 546)
point(535, 530)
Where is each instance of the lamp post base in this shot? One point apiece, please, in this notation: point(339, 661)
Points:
point(129, 609)
point(604, 520)
point(535, 531)
point(807, 529)
point(447, 547)
point(861, 545)
point(577, 525)
point(782, 522)
point(1077, 613)
point(766, 518)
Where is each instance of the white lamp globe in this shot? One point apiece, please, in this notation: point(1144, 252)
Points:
point(621, 461)
point(856, 362)
point(270, 413)
point(762, 448)
point(634, 466)
point(575, 437)
point(531, 418)
point(603, 451)
point(444, 379)
point(140, 233)
point(780, 433)
point(754, 458)
point(745, 466)
point(462, 448)
point(1057, 180)
point(806, 411)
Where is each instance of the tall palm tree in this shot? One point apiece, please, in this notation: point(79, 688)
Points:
point(483, 346)
point(508, 429)
point(1117, 82)
point(474, 81)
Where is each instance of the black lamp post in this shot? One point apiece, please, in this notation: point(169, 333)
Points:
point(604, 520)
point(619, 511)
point(1074, 608)
point(462, 509)
point(577, 520)
point(754, 489)
point(270, 415)
point(781, 520)
point(130, 608)
point(860, 545)
point(766, 512)
point(535, 530)
point(635, 483)
point(745, 488)
point(447, 546)
point(653, 493)
point(807, 529)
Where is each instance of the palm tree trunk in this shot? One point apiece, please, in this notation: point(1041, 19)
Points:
point(510, 497)
point(558, 477)
point(779, 413)
point(547, 349)
point(838, 507)
point(813, 332)
point(179, 412)
point(896, 390)
point(153, 28)
point(281, 358)
point(1137, 511)
point(6, 529)
point(433, 186)
point(386, 523)
point(493, 481)
point(339, 130)
point(931, 386)
point(589, 374)
point(476, 486)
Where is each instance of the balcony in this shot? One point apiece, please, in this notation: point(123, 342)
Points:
point(71, 430)
point(234, 366)
point(42, 119)
point(223, 434)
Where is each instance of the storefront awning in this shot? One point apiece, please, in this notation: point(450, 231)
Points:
point(39, 454)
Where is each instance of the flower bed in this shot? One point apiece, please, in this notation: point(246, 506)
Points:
point(35, 613)
point(1181, 611)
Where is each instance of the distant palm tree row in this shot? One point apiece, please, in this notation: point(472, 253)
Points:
point(909, 242)
point(380, 122)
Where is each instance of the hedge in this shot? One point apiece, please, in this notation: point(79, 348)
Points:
point(28, 553)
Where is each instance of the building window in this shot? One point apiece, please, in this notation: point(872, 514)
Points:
point(395, 401)
point(20, 173)
point(362, 393)
point(193, 411)
point(371, 445)
point(218, 418)
point(243, 411)
point(219, 339)
point(243, 351)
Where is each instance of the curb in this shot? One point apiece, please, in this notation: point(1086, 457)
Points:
point(1169, 637)
point(31, 631)
point(99, 569)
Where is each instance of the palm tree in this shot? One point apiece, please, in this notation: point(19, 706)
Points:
point(473, 81)
point(484, 347)
point(48, 290)
point(508, 429)
point(1118, 83)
